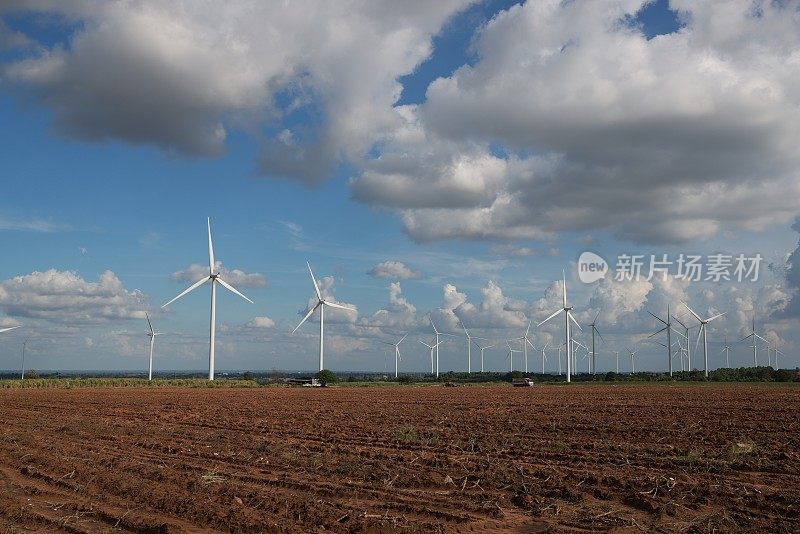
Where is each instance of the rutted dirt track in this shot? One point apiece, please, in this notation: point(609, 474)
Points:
point(467, 459)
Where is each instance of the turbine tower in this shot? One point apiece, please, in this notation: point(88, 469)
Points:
point(435, 331)
point(567, 318)
point(24, 346)
point(593, 325)
point(396, 352)
point(214, 278)
point(704, 332)
point(525, 342)
point(668, 328)
point(510, 355)
point(469, 347)
point(321, 303)
point(755, 336)
point(633, 365)
point(152, 335)
point(616, 352)
point(483, 349)
point(544, 354)
point(435, 344)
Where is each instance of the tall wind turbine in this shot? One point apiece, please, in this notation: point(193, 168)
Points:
point(321, 303)
point(396, 352)
point(152, 335)
point(525, 342)
point(668, 328)
point(616, 352)
point(214, 278)
point(755, 336)
point(435, 344)
point(435, 331)
point(469, 347)
point(727, 351)
point(567, 318)
point(776, 357)
point(593, 325)
point(704, 332)
point(483, 349)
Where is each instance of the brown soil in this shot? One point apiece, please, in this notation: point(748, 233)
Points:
point(468, 459)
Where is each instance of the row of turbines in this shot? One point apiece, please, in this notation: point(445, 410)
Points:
point(569, 346)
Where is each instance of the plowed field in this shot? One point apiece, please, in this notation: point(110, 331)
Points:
point(466, 459)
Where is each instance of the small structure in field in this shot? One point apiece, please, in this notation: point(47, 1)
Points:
point(522, 383)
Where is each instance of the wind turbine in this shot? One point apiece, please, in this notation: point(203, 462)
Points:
point(483, 349)
point(437, 343)
point(688, 344)
point(525, 342)
point(152, 335)
point(633, 365)
point(544, 354)
point(668, 329)
point(321, 303)
point(24, 345)
point(396, 352)
point(214, 278)
point(510, 356)
point(469, 347)
point(616, 352)
point(776, 357)
point(727, 351)
point(704, 332)
point(593, 325)
point(575, 353)
point(567, 317)
point(754, 336)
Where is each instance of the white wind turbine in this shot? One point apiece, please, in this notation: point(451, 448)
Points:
point(567, 318)
point(483, 349)
point(469, 347)
point(544, 354)
point(727, 351)
point(776, 357)
point(668, 329)
point(755, 336)
point(704, 332)
point(616, 352)
point(593, 325)
point(688, 349)
point(396, 352)
point(24, 346)
point(435, 331)
point(633, 365)
point(575, 353)
point(432, 347)
point(214, 278)
point(525, 342)
point(152, 335)
point(321, 303)
point(510, 356)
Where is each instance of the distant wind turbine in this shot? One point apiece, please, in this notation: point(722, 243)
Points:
point(214, 278)
point(469, 347)
point(688, 349)
point(525, 342)
point(755, 336)
point(544, 354)
point(321, 303)
point(510, 356)
point(396, 352)
point(567, 318)
point(435, 331)
point(727, 351)
point(704, 332)
point(616, 352)
point(483, 349)
point(593, 325)
point(152, 335)
point(24, 346)
point(633, 365)
point(435, 344)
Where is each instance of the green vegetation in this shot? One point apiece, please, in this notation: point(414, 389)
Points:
point(326, 377)
point(68, 383)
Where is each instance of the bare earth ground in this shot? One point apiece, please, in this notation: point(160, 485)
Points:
point(467, 459)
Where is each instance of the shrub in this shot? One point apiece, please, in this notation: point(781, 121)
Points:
point(326, 377)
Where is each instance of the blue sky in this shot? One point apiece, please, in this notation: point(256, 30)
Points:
point(437, 141)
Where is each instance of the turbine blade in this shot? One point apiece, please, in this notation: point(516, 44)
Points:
point(569, 314)
point(148, 322)
point(599, 335)
point(564, 278)
point(716, 316)
point(9, 328)
point(656, 316)
point(232, 289)
point(401, 339)
point(692, 312)
point(210, 250)
point(335, 305)
point(306, 317)
point(527, 329)
point(554, 314)
point(699, 331)
point(188, 290)
point(745, 337)
point(314, 281)
point(433, 325)
point(656, 333)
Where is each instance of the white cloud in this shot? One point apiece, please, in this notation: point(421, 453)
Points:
point(235, 277)
point(260, 322)
point(178, 76)
point(393, 269)
point(398, 312)
point(65, 297)
point(670, 139)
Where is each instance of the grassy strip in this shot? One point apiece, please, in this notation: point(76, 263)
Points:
point(69, 383)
